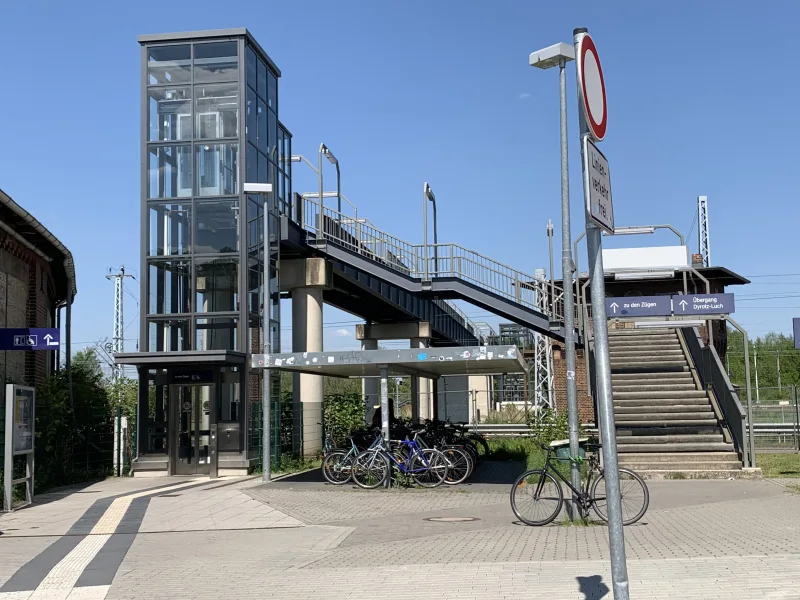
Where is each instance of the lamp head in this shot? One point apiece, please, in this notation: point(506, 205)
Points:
point(552, 56)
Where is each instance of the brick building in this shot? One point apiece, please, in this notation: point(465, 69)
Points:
point(37, 280)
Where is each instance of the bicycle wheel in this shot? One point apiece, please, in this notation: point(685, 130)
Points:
point(480, 441)
point(536, 498)
point(435, 473)
point(634, 495)
point(337, 467)
point(370, 469)
point(459, 465)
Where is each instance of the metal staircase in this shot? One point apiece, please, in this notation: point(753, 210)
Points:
point(667, 425)
point(441, 271)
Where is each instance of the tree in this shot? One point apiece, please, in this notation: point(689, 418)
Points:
point(87, 360)
point(774, 356)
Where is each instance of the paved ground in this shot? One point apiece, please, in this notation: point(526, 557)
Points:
point(296, 539)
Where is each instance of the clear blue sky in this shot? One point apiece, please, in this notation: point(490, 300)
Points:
point(701, 101)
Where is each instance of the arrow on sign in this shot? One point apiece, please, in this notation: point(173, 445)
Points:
point(683, 304)
point(49, 339)
point(614, 306)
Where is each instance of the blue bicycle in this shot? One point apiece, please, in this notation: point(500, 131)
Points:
point(375, 466)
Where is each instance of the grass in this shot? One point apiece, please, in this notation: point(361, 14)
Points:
point(779, 464)
point(525, 450)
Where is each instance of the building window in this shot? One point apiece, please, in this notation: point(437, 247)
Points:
point(272, 91)
point(252, 120)
point(169, 114)
point(261, 86)
point(216, 333)
point(216, 61)
point(169, 64)
point(217, 285)
point(169, 228)
point(168, 335)
point(217, 111)
point(217, 169)
point(168, 287)
point(170, 171)
point(216, 226)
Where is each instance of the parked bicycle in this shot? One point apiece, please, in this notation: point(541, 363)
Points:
point(426, 466)
point(337, 466)
point(540, 489)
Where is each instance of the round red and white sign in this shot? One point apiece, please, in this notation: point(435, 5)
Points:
point(593, 88)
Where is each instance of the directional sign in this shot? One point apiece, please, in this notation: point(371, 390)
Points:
point(703, 304)
point(796, 328)
point(597, 179)
point(638, 306)
point(30, 339)
point(592, 88)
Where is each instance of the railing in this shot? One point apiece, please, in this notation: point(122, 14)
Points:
point(711, 372)
point(418, 262)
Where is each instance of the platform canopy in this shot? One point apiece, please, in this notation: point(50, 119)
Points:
point(427, 362)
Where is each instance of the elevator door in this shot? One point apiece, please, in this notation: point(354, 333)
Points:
point(194, 404)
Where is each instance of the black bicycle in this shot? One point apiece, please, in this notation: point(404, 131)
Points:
point(540, 492)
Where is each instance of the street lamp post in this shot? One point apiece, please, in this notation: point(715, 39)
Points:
point(559, 55)
point(325, 151)
point(265, 189)
point(426, 196)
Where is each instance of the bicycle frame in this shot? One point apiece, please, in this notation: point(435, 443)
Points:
point(405, 466)
point(548, 468)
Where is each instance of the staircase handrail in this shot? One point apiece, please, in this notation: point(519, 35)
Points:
point(711, 372)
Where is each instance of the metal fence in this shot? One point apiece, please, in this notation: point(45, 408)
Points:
point(776, 418)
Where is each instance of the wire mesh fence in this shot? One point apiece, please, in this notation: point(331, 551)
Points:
point(776, 418)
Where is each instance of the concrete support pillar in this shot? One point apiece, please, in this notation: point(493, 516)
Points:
point(307, 390)
point(424, 397)
point(480, 391)
point(370, 386)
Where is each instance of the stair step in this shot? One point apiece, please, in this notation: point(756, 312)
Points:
point(698, 474)
point(646, 354)
point(641, 332)
point(667, 457)
point(652, 395)
point(660, 402)
point(676, 376)
point(650, 387)
point(695, 446)
point(683, 466)
point(649, 366)
point(667, 440)
point(630, 430)
point(649, 371)
point(667, 421)
point(665, 416)
point(661, 409)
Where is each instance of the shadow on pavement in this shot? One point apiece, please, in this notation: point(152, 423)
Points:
point(592, 587)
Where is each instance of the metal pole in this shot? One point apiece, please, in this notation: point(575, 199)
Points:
point(605, 406)
point(755, 366)
point(569, 303)
point(435, 238)
point(385, 402)
point(778, 359)
point(339, 189)
point(552, 271)
point(424, 230)
point(321, 225)
point(119, 439)
point(266, 409)
point(750, 429)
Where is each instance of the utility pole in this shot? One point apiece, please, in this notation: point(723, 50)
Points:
point(118, 346)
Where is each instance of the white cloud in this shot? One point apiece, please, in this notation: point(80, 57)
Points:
point(524, 95)
point(341, 333)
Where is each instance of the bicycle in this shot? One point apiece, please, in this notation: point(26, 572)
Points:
point(337, 466)
point(537, 482)
point(374, 466)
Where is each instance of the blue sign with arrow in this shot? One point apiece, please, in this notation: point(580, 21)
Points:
point(638, 306)
point(703, 304)
point(30, 339)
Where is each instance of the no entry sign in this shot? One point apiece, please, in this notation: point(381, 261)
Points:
point(592, 88)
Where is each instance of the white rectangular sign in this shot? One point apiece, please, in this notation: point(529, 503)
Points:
point(597, 180)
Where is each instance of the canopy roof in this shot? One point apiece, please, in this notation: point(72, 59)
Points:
point(428, 362)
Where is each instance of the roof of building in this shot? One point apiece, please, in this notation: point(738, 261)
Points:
point(210, 34)
point(19, 223)
point(726, 276)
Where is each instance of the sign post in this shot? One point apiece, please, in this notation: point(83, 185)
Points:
point(19, 440)
point(593, 122)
